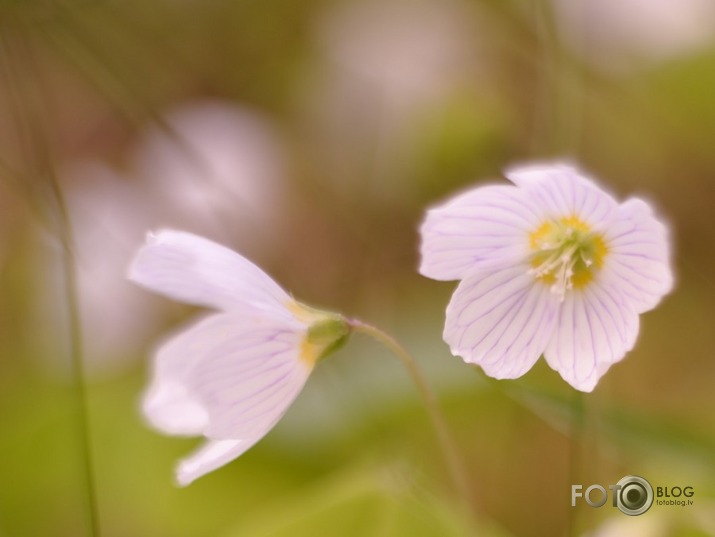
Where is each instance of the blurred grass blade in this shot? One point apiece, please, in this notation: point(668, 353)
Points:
point(358, 502)
point(26, 87)
point(621, 426)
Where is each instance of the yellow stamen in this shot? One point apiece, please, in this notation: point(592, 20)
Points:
point(566, 253)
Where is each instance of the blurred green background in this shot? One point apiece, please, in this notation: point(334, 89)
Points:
point(311, 136)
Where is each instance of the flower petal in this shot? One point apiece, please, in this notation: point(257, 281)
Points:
point(247, 377)
point(485, 228)
point(170, 408)
point(501, 321)
point(198, 271)
point(168, 404)
point(638, 261)
point(563, 191)
point(596, 327)
point(248, 354)
point(213, 454)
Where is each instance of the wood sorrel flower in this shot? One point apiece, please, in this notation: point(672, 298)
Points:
point(552, 265)
point(231, 376)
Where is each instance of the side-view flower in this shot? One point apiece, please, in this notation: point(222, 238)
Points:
point(231, 376)
point(550, 265)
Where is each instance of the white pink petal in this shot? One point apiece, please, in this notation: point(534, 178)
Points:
point(480, 229)
point(249, 380)
point(500, 321)
point(212, 455)
point(198, 271)
point(562, 190)
point(639, 257)
point(596, 328)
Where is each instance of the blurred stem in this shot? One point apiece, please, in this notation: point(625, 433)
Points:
point(575, 451)
point(78, 374)
point(455, 464)
point(544, 119)
point(558, 116)
point(27, 103)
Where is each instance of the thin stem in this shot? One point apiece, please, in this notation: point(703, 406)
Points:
point(78, 374)
point(559, 112)
point(575, 451)
point(544, 117)
point(26, 105)
point(455, 464)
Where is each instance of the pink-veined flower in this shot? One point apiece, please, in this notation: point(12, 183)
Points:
point(232, 375)
point(551, 265)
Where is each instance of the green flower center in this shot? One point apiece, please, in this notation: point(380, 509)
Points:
point(566, 253)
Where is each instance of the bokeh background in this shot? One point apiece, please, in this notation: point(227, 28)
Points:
point(311, 136)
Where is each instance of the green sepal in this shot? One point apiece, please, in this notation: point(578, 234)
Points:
point(328, 335)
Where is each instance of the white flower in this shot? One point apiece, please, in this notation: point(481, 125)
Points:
point(216, 155)
point(553, 265)
point(620, 34)
point(108, 216)
point(212, 164)
point(232, 375)
point(409, 52)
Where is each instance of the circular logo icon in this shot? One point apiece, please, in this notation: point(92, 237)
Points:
point(635, 495)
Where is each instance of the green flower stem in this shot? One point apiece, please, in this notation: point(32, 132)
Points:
point(27, 98)
point(575, 450)
point(80, 387)
point(453, 459)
